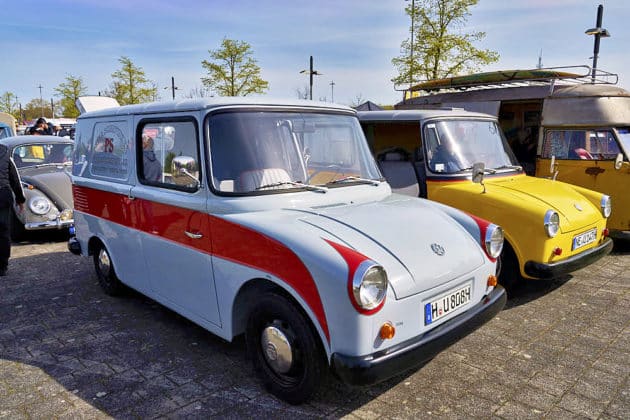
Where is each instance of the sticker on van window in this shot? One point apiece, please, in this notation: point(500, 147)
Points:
point(110, 155)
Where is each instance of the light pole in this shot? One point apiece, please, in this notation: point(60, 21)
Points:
point(413, 10)
point(173, 87)
point(332, 91)
point(311, 72)
point(599, 32)
point(41, 100)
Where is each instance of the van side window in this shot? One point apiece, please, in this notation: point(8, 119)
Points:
point(580, 145)
point(168, 154)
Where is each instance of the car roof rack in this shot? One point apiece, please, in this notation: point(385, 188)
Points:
point(516, 78)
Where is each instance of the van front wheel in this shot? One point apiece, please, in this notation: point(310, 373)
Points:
point(284, 350)
point(107, 278)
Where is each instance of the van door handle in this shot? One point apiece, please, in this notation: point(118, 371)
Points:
point(192, 235)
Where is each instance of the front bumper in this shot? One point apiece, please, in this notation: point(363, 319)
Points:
point(49, 224)
point(376, 367)
point(581, 260)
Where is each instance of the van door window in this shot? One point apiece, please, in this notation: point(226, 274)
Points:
point(580, 145)
point(168, 155)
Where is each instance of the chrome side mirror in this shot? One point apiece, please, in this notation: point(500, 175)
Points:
point(619, 161)
point(478, 171)
point(553, 168)
point(185, 166)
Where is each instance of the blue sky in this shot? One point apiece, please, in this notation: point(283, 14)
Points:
point(352, 41)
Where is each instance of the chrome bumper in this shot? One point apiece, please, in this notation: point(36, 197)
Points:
point(49, 224)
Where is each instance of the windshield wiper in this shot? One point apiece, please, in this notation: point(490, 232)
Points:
point(294, 184)
point(485, 170)
point(347, 179)
point(519, 167)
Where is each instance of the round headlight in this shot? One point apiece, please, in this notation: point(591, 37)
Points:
point(494, 240)
point(369, 285)
point(552, 223)
point(606, 206)
point(39, 205)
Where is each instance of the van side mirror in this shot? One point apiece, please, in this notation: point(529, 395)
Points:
point(618, 161)
point(185, 166)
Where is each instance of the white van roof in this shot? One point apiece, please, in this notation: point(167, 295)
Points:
point(210, 103)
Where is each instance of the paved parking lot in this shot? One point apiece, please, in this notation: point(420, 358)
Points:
point(559, 350)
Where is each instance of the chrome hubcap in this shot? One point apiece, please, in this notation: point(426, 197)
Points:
point(103, 262)
point(276, 349)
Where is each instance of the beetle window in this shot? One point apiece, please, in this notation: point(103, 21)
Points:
point(168, 155)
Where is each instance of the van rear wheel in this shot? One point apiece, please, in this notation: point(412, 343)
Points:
point(105, 272)
point(284, 349)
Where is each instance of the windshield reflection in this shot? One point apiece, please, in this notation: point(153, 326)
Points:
point(453, 146)
point(42, 154)
point(258, 152)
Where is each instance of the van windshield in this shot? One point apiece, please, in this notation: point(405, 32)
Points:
point(262, 152)
point(624, 138)
point(453, 146)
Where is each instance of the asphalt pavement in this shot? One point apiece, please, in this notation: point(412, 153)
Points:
point(559, 350)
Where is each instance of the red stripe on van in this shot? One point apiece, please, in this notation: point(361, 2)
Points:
point(229, 240)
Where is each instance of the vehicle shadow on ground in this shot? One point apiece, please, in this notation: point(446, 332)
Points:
point(621, 247)
point(525, 291)
point(130, 356)
point(41, 236)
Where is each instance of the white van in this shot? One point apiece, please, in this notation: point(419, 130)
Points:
point(272, 219)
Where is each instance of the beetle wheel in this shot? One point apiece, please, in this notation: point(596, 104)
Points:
point(285, 352)
point(105, 272)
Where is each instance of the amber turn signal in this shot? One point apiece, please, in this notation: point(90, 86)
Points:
point(387, 331)
point(492, 281)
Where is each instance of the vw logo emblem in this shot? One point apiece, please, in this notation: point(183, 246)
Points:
point(438, 249)
point(577, 206)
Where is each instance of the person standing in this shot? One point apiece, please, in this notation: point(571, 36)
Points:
point(10, 186)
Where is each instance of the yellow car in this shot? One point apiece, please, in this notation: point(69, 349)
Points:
point(462, 159)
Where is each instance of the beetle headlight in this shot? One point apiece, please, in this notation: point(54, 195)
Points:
point(369, 285)
point(606, 205)
point(494, 240)
point(39, 205)
point(552, 223)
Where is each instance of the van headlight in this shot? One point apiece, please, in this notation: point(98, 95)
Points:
point(494, 240)
point(552, 223)
point(369, 286)
point(606, 206)
point(39, 205)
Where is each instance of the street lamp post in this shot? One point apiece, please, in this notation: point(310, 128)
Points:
point(413, 10)
point(332, 91)
point(598, 32)
point(311, 72)
point(173, 87)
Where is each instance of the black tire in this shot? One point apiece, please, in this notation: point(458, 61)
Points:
point(17, 228)
point(509, 272)
point(276, 324)
point(105, 272)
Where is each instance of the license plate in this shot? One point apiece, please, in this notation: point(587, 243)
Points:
point(447, 304)
point(584, 239)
